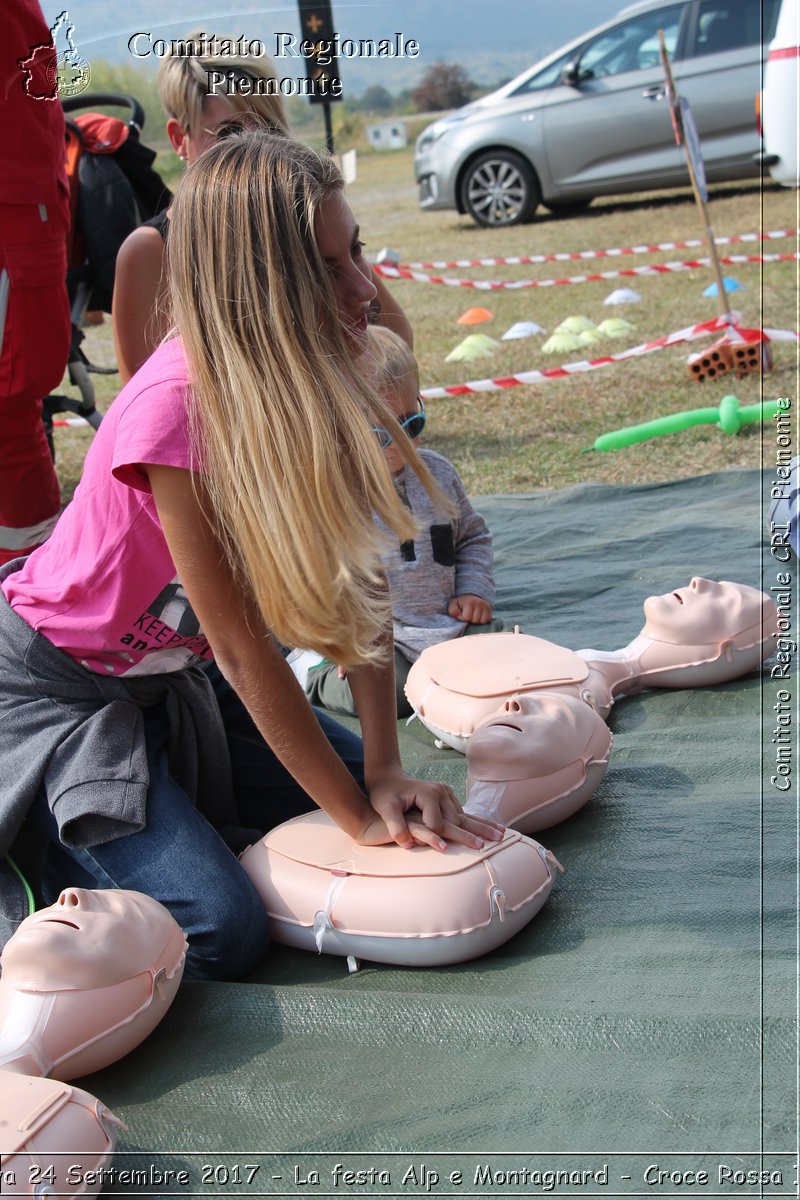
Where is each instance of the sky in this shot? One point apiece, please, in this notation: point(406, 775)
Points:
point(491, 40)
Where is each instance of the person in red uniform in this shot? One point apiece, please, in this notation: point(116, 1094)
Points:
point(34, 309)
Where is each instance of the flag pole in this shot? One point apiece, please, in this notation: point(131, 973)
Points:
point(691, 145)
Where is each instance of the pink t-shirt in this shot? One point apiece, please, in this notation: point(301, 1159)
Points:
point(104, 587)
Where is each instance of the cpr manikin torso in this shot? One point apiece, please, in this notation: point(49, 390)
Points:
point(409, 907)
point(533, 758)
point(56, 1138)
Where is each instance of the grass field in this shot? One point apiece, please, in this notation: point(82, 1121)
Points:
point(533, 436)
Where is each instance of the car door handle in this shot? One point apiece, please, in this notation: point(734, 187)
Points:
point(656, 92)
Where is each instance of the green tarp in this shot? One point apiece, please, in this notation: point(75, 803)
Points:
point(643, 1021)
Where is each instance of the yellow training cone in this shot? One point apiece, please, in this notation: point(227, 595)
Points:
point(558, 343)
point(477, 345)
point(615, 327)
point(575, 325)
point(590, 337)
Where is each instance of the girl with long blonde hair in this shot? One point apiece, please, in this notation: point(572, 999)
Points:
point(227, 501)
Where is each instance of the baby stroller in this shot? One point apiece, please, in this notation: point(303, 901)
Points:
point(113, 188)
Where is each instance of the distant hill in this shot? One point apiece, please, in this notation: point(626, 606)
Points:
point(491, 40)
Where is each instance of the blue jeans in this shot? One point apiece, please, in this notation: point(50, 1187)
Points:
point(180, 860)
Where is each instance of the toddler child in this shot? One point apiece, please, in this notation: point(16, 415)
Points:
point(441, 583)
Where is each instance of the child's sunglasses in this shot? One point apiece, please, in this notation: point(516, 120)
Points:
point(411, 423)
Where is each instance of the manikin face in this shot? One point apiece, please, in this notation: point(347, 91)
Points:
point(90, 939)
point(534, 737)
point(703, 614)
point(340, 245)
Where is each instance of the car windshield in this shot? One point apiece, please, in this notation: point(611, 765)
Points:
point(547, 77)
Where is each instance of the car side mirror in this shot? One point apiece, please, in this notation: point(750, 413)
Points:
point(572, 74)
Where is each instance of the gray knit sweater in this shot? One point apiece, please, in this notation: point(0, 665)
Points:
point(448, 557)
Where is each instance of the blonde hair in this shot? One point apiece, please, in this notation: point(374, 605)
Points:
point(183, 85)
point(394, 359)
point(393, 363)
point(281, 415)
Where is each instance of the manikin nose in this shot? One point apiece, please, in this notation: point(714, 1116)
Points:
point(70, 898)
point(512, 706)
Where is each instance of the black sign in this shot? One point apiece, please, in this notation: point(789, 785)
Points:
point(319, 48)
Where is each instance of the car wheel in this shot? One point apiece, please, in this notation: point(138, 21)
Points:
point(568, 208)
point(500, 189)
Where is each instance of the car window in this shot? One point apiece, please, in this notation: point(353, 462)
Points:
point(731, 24)
point(546, 78)
point(632, 46)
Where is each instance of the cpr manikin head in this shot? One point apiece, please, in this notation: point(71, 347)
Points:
point(537, 761)
point(85, 980)
point(727, 628)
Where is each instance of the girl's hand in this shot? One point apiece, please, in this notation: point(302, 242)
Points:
point(417, 812)
point(407, 811)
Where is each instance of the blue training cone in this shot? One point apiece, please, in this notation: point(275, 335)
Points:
point(731, 285)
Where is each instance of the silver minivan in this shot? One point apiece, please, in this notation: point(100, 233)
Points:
point(593, 119)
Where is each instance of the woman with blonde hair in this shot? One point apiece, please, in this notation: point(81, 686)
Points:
point(195, 112)
point(227, 501)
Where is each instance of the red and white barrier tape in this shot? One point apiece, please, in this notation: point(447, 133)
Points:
point(715, 325)
point(615, 252)
point(493, 285)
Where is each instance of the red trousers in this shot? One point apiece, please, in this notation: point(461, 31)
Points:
point(34, 347)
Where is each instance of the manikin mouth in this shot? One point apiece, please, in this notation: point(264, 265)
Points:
point(678, 597)
point(506, 725)
point(60, 921)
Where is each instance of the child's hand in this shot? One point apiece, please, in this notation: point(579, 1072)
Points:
point(471, 609)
